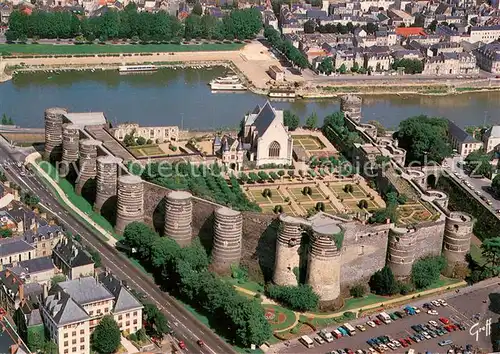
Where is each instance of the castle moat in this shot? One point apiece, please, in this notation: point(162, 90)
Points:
point(182, 97)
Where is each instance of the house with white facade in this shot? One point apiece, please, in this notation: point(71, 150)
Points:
point(269, 140)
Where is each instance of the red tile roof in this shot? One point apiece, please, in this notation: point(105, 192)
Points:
point(410, 31)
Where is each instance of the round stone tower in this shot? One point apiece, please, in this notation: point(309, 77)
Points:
point(70, 147)
point(228, 230)
point(287, 260)
point(107, 173)
point(179, 217)
point(350, 105)
point(130, 203)
point(53, 133)
point(324, 262)
point(401, 251)
point(87, 163)
point(457, 236)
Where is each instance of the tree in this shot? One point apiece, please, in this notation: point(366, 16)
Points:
point(342, 69)
point(355, 67)
point(141, 140)
point(382, 282)
point(57, 279)
point(106, 336)
point(310, 26)
point(312, 121)
point(380, 128)
point(495, 185)
point(411, 66)
point(358, 290)
point(297, 298)
point(426, 271)
point(197, 9)
point(424, 138)
point(49, 347)
point(326, 66)
point(36, 338)
point(363, 204)
point(3, 178)
point(5, 233)
point(479, 163)
point(95, 255)
point(291, 120)
point(139, 237)
point(129, 140)
point(432, 26)
point(30, 199)
point(491, 253)
point(20, 321)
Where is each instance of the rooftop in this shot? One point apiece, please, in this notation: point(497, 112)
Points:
point(124, 300)
point(13, 245)
point(85, 290)
point(86, 118)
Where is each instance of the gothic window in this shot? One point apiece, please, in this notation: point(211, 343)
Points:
point(274, 149)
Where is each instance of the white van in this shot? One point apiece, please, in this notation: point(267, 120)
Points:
point(308, 343)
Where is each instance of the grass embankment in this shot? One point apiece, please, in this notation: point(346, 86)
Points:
point(77, 200)
point(47, 49)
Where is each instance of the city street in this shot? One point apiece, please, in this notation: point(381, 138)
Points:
point(185, 325)
point(461, 308)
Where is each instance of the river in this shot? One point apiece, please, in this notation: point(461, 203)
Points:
point(182, 97)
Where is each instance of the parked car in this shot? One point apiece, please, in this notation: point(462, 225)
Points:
point(433, 323)
point(445, 342)
point(427, 306)
point(319, 340)
point(432, 312)
point(444, 320)
point(435, 303)
point(371, 324)
point(442, 302)
point(403, 343)
point(377, 321)
point(460, 326)
point(361, 328)
point(417, 310)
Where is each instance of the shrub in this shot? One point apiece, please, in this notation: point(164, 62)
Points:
point(349, 315)
point(426, 271)
point(297, 298)
point(363, 204)
point(320, 206)
point(348, 188)
point(405, 288)
point(358, 290)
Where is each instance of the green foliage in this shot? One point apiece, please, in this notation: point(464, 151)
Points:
point(184, 272)
point(5, 233)
point(49, 347)
point(202, 181)
point(479, 163)
point(291, 120)
point(36, 338)
point(423, 136)
point(405, 288)
point(335, 130)
point(358, 290)
point(312, 121)
point(20, 322)
point(355, 67)
point(380, 128)
point(106, 336)
point(342, 69)
point(490, 250)
point(267, 193)
point(402, 199)
point(57, 279)
point(129, 140)
point(382, 282)
point(382, 160)
point(95, 255)
point(294, 55)
point(6, 120)
point(363, 204)
point(3, 178)
point(30, 199)
point(320, 206)
point(156, 323)
point(239, 273)
point(297, 298)
point(140, 140)
point(495, 185)
point(326, 66)
point(143, 26)
point(348, 188)
point(197, 9)
point(426, 271)
point(411, 66)
point(338, 238)
point(349, 315)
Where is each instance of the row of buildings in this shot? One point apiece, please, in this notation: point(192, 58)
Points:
point(37, 252)
point(465, 143)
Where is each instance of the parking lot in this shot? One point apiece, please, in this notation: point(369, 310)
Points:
point(461, 308)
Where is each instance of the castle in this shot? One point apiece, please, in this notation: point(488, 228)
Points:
point(328, 252)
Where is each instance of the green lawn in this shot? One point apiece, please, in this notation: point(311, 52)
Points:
point(362, 301)
point(78, 201)
point(249, 285)
point(283, 317)
point(477, 255)
point(45, 49)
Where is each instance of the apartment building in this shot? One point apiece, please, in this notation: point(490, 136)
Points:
point(451, 64)
point(488, 57)
point(15, 249)
point(72, 259)
point(72, 309)
point(461, 140)
point(485, 34)
point(38, 270)
point(44, 239)
point(491, 138)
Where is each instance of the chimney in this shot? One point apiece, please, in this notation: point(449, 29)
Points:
point(45, 291)
point(21, 291)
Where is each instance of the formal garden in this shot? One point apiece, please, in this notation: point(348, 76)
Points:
point(414, 212)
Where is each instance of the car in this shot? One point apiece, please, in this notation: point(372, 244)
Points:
point(370, 342)
point(408, 341)
point(403, 343)
point(361, 328)
point(393, 316)
point(182, 345)
point(377, 321)
point(435, 303)
point(400, 314)
point(200, 343)
point(415, 339)
point(359, 351)
point(319, 340)
point(433, 334)
point(460, 326)
point(444, 320)
point(417, 310)
point(432, 312)
point(2, 311)
point(371, 324)
point(447, 328)
point(427, 306)
point(349, 351)
point(391, 345)
point(415, 328)
point(442, 302)
point(384, 347)
point(433, 323)
point(371, 350)
point(445, 342)
point(453, 327)
point(426, 335)
point(396, 343)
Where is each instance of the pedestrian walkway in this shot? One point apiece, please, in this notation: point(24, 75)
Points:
point(31, 159)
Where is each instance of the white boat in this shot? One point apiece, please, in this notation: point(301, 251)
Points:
point(229, 83)
point(136, 68)
point(282, 94)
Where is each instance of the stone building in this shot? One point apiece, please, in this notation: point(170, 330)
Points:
point(488, 57)
point(491, 138)
point(156, 134)
point(451, 64)
point(377, 61)
point(268, 137)
point(230, 150)
point(462, 141)
point(44, 239)
point(72, 259)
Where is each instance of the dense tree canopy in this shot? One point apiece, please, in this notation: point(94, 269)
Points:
point(106, 336)
point(291, 120)
point(298, 298)
point(424, 138)
point(326, 66)
point(294, 55)
point(411, 66)
point(495, 185)
point(491, 253)
point(146, 26)
point(478, 163)
point(426, 271)
point(382, 282)
point(184, 272)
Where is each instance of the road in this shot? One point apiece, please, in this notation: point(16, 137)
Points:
point(461, 308)
point(188, 328)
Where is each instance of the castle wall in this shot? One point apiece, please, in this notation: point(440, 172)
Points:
point(364, 252)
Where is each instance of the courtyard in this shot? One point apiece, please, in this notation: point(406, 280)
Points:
point(414, 212)
point(307, 143)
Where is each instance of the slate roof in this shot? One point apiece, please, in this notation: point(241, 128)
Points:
point(62, 308)
point(33, 265)
point(72, 253)
point(85, 290)
point(124, 300)
point(460, 134)
point(493, 132)
point(44, 230)
point(264, 119)
point(13, 245)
